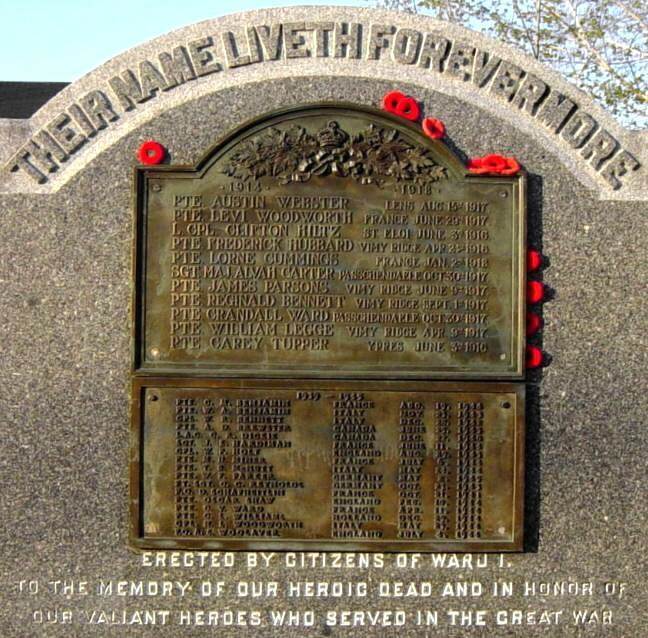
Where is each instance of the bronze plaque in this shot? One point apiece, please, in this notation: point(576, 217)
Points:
point(330, 241)
point(322, 465)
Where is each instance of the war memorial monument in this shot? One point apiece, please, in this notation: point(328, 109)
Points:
point(323, 321)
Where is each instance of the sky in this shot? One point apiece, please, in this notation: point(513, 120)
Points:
point(61, 40)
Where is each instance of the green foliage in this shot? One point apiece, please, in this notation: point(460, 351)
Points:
point(599, 45)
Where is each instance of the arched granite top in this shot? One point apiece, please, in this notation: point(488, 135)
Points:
point(90, 115)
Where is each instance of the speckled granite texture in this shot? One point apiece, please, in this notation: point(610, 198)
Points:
point(65, 297)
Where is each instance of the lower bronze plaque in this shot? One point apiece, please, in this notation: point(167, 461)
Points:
point(324, 465)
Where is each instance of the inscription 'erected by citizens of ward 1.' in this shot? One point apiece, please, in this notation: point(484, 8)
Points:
point(327, 241)
point(395, 466)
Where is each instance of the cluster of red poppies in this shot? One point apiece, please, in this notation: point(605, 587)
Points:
point(535, 295)
point(407, 107)
point(493, 164)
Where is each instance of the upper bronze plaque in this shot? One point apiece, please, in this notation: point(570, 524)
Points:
point(330, 241)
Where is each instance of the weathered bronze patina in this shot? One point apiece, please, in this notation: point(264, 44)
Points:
point(330, 241)
point(321, 465)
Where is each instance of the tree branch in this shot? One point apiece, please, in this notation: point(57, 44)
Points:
point(633, 14)
point(520, 15)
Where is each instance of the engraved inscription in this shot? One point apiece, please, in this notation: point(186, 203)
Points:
point(354, 493)
point(442, 457)
point(326, 240)
point(82, 122)
point(412, 453)
point(469, 469)
point(185, 475)
point(330, 463)
point(224, 484)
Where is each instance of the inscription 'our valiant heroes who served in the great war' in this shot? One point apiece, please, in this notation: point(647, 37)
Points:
point(330, 241)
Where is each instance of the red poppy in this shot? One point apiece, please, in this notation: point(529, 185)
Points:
point(391, 100)
point(535, 291)
point(533, 323)
point(512, 166)
point(534, 259)
point(493, 164)
point(402, 105)
point(534, 357)
point(474, 165)
point(433, 128)
point(409, 109)
point(151, 152)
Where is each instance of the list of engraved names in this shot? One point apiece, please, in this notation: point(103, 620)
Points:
point(340, 464)
point(268, 277)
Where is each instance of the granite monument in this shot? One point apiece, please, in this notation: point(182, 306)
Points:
point(73, 337)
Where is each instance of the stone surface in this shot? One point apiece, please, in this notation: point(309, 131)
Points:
point(65, 294)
